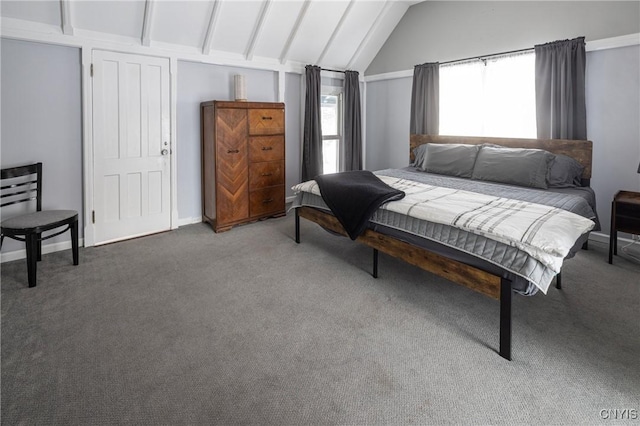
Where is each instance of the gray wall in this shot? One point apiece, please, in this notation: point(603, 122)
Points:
point(42, 121)
point(613, 117)
point(448, 30)
point(293, 132)
point(388, 110)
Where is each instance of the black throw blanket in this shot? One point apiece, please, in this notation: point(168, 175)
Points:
point(354, 196)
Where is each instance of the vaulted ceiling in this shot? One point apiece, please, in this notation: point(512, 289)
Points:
point(339, 34)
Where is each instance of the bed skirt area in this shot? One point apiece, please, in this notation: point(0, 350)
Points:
point(519, 267)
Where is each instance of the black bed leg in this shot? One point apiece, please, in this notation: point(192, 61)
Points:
point(559, 280)
point(297, 227)
point(375, 263)
point(505, 319)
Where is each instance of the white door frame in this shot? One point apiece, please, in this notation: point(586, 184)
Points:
point(87, 137)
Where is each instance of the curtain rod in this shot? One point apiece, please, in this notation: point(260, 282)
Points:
point(488, 56)
point(327, 69)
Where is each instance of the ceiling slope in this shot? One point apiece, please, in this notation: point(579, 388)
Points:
point(336, 34)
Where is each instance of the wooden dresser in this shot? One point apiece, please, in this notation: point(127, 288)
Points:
point(242, 162)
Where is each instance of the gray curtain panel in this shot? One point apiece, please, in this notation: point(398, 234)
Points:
point(312, 142)
point(425, 99)
point(352, 122)
point(561, 111)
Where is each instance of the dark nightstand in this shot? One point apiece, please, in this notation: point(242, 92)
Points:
point(625, 217)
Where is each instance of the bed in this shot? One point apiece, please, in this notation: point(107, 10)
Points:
point(494, 265)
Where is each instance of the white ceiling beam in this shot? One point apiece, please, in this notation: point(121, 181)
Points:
point(65, 9)
point(147, 22)
point(19, 29)
point(257, 29)
point(294, 31)
point(335, 31)
point(208, 40)
point(372, 30)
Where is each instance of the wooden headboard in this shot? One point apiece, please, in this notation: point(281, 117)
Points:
point(579, 150)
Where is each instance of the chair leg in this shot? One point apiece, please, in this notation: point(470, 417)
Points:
point(31, 241)
point(39, 236)
point(74, 241)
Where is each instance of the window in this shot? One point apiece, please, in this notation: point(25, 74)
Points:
point(331, 122)
point(489, 97)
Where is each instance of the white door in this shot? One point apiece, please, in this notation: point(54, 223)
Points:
point(131, 146)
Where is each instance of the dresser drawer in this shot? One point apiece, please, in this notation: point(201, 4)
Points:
point(266, 148)
point(265, 201)
point(266, 121)
point(269, 173)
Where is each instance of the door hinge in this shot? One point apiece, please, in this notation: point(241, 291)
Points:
point(91, 70)
point(93, 216)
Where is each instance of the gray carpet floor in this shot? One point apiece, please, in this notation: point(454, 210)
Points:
point(247, 327)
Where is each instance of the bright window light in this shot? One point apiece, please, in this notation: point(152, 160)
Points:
point(491, 97)
point(331, 124)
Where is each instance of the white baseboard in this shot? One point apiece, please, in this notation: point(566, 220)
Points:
point(66, 245)
point(599, 237)
point(48, 248)
point(289, 199)
point(189, 220)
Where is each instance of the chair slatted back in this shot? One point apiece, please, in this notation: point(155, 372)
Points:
point(21, 184)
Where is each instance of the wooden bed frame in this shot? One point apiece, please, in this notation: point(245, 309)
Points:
point(494, 286)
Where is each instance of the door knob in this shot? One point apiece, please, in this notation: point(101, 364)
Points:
point(164, 151)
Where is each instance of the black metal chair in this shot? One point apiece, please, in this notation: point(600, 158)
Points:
point(23, 184)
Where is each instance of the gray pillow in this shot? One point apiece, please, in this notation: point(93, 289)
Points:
point(565, 172)
point(450, 159)
point(418, 154)
point(516, 166)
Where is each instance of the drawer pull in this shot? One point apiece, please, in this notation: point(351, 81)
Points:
point(267, 148)
point(266, 174)
point(267, 118)
point(267, 201)
point(233, 151)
